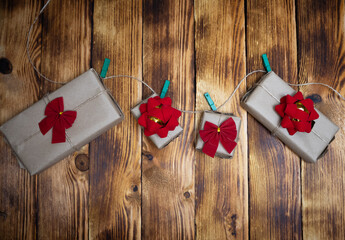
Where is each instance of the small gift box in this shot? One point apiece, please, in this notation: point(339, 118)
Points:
point(218, 135)
point(62, 122)
point(151, 113)
point(290, 117)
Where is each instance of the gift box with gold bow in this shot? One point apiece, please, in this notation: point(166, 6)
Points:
point(290, 117)
point(62, 122)
point(218, 135)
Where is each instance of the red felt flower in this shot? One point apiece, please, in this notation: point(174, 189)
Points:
point(158, 117)
point(298, 113)
point(57, 119)
point(226, 133)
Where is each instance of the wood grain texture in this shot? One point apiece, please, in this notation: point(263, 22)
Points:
point(274, 170)
point(18, 90)
point(115, 171)
point(168, 174)
point(221, 184)
point(321, 54)
point(63, 189)
point(123, 187)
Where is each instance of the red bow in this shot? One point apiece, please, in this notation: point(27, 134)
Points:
point(226, 133)
point(57, 119)
point(298, 113)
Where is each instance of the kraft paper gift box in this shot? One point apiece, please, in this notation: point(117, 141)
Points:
point(260, 102)
point(97, 112)
point(218, 118)
point(158, 141)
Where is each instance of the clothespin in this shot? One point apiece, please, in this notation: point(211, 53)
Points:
point(266, 63)
point(165, 88)
point(105, 67)
point(210, 102)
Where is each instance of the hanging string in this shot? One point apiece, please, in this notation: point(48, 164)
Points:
point(190, 111)
point(322, 84)
point(28, 51)
point(141, 81)
point(127, 76)
point(238, 85)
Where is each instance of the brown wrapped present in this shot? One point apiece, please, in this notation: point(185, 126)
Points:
point(96, 112)
point(218, 120)
point(261, 100)
point(158, 141)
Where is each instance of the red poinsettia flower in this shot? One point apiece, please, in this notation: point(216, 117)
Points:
point(158, 117)
point(298, 113)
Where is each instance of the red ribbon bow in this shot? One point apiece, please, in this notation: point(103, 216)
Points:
point(226, 133)
point(57, 119)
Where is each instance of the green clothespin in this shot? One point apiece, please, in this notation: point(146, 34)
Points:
point(165, 88)
point(210, 102)
point(105, 67)
point(266, 63)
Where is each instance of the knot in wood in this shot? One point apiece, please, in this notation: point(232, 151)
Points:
point(3, 215)
point(316, 98)
point(82, 162)
point(135, 188)
point(5, 66)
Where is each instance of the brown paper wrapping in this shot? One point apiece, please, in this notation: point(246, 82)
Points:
point(217, 119)
point(97, 112)
point(260, 102)
point(158, 141)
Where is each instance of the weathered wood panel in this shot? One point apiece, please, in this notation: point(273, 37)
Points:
point(18, 90)
point(274, 170)
point(77, 34)
point(221, 184)
point(168, 174)
point(63, 189)
point(115, 172)
point(321, 54)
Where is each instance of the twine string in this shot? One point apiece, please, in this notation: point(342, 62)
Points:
point(141, 81)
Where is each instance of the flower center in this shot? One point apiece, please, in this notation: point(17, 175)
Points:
point(218, 129)
point(60, 113)
point(159, 106)
point(157, 120)
point(301, 107)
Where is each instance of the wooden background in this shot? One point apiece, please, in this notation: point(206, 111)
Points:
point(120, 186)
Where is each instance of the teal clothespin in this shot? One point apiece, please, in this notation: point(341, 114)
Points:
point(266, 63)
point(105, 67)
point(165, 88)
point(210, 102)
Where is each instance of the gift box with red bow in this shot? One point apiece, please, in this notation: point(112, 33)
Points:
point(218, 135)
point(158, 119)
point(290, 117)
point(62, 122)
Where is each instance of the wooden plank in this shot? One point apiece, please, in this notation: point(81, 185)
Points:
point(63, 189)
point(274, 170)
point(18, 90)
point(221, 184)
point(115, 173)
point(168, 174)
point(321, 57)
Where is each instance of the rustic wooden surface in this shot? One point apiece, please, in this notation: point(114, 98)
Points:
point(274, 170)
point(168, 174)
point(120, 186)
point(220, 64)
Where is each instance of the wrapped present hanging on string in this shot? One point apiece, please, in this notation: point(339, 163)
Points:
point(158, 118)
point(289, 116)
point(218, 134)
